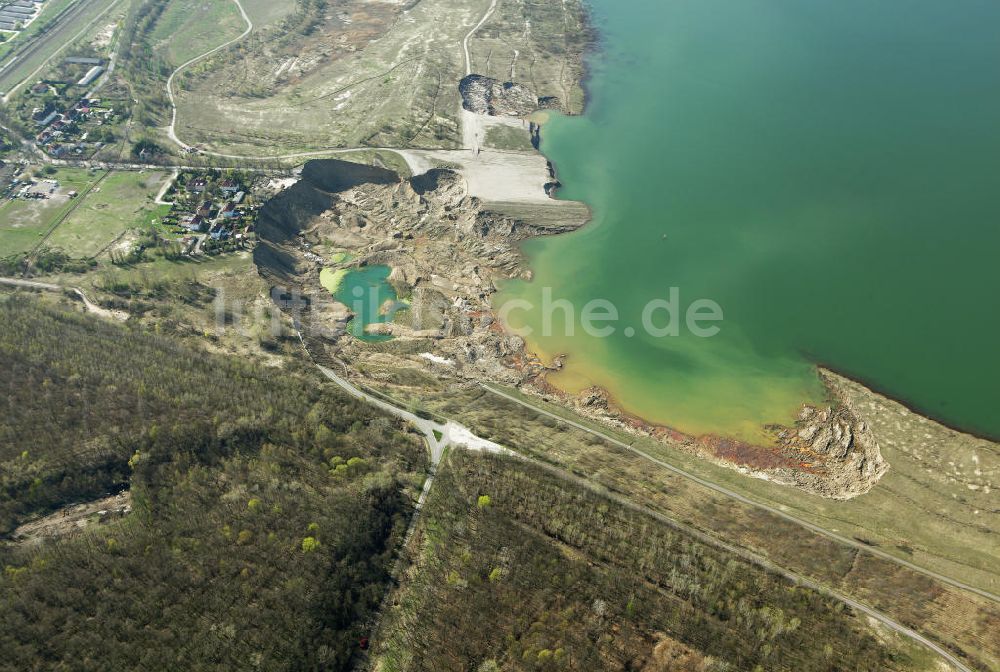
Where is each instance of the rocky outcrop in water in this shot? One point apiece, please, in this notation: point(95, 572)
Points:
point(841, 447)
point(831, 451)
point(446, 251)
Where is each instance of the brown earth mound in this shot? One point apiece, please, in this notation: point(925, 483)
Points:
point(485, 95)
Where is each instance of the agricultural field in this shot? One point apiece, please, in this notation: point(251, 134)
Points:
point(84, 225)
point(24, 223)
point(121, 202)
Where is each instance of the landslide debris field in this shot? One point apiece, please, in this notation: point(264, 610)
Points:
point(446, 250)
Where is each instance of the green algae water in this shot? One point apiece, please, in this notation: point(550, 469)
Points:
point(367, 292)
point(826, 172)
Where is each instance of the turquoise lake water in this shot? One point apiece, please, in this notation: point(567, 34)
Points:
point(827, 172)
point(365, 291)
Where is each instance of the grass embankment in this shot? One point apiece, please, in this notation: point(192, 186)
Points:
point(264, 13)
point(122, 201)
point(23, 223)
point(508, 138)
point(943, 533)
point(189, 28)
point(84, 225)
point(382, 159)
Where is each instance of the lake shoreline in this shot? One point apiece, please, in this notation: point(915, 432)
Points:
point(920, 394)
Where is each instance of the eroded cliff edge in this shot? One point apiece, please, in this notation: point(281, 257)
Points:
point(447, 251)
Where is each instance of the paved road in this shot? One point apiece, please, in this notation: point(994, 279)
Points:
point(452, 429)
point(746, 500)
point(452, 433)
point(426, 427)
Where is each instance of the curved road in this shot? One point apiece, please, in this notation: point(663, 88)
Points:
point(171, 130)
point(91, 307)
point(428, 428)
point(454, 433)
point(404, 153)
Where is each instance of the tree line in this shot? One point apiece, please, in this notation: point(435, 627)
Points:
point(266, 508)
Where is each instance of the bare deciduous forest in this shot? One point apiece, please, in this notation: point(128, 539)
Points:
point(265, 508)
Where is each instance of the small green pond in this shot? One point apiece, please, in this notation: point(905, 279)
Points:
point(367, 292)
